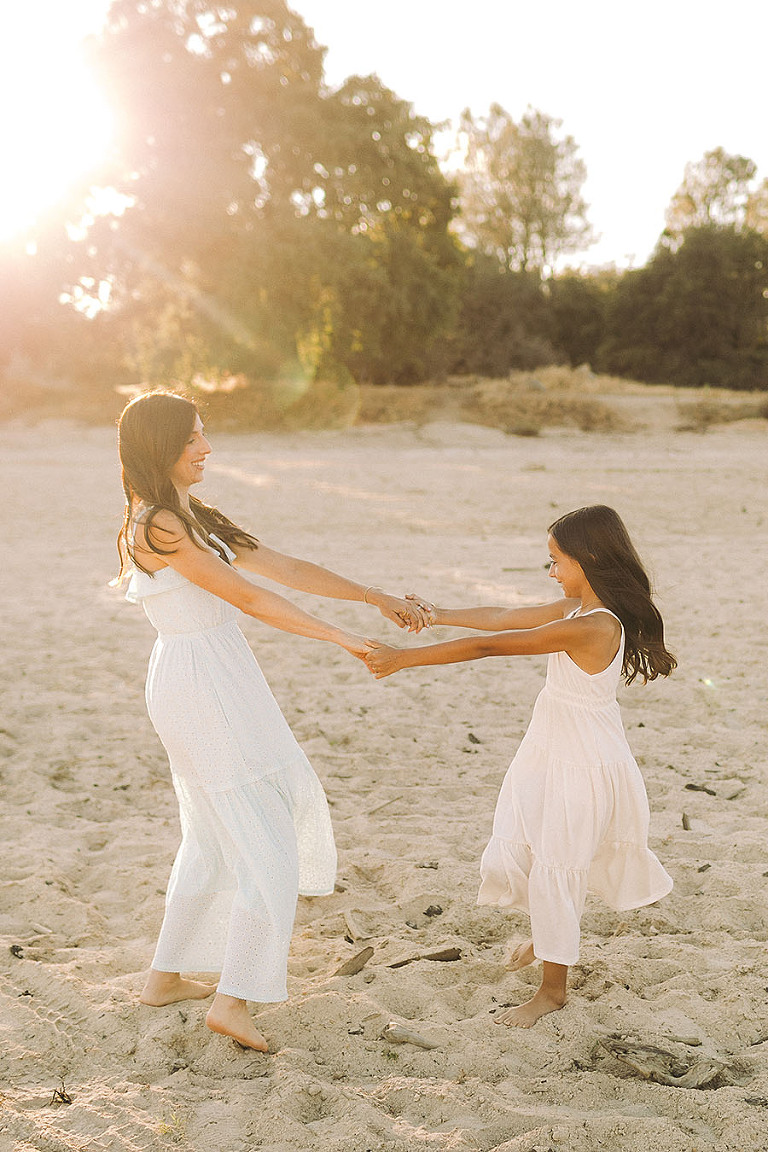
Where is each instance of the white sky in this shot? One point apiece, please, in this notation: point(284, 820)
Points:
point(643, 86)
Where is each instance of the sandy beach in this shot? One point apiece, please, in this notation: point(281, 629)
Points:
point(412, 767)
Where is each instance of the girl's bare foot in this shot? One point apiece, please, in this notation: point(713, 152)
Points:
point(526, 1015)
point(521, 956)
point(230, 1017)
point(168, 987)
point(549, 998)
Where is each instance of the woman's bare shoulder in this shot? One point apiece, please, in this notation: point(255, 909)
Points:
point(156, 528)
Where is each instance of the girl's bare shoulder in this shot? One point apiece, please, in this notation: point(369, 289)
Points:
point(568, 606)
point(598, 632)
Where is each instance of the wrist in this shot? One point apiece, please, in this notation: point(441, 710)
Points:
point(373, 595)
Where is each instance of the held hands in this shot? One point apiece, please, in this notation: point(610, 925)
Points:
point(411, 612)
point(382, 660)
point(356, 645)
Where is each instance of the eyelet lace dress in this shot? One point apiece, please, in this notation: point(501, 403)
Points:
point(255, 824)
point(572, 814)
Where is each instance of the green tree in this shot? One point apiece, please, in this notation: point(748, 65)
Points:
point(756, 209)
point(520, 188)
point(504, 322)
point(256, 198)
point(388, 268)
point(578, 307)
point(696, 315)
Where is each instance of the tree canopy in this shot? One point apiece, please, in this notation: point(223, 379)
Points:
point(263, 213)
point(715, 190)
point(521, 189)
point(696, 315)
point(254, 225)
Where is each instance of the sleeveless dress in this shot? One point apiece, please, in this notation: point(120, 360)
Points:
point(572, 814)
point(255, 824)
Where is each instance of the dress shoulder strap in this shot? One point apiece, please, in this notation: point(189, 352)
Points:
point(607, 610)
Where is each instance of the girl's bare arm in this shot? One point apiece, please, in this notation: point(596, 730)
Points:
point(589, 640)
point(503, 619)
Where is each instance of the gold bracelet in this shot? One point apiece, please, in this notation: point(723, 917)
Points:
point(365, 594)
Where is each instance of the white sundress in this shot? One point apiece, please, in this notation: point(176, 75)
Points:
point(255, 824)
point(572, 813)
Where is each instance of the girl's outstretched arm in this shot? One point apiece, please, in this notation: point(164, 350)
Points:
point(590, 640)
point(502, 619)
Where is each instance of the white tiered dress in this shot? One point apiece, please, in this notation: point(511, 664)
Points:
point(255, 824)
point(572, 814)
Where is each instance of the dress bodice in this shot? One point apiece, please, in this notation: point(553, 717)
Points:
point(566, 679)
point(176, 606)
point(576, 716)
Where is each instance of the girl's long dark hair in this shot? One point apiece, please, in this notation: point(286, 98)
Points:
point(598, 540)
point(153, 431)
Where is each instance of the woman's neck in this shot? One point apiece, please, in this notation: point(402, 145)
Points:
point(183, 495)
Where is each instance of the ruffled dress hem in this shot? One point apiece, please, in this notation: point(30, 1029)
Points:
point(623, 875)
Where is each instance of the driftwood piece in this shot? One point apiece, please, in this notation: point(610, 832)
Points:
point(395, 1033)
point(356, 926)
point(355, 963)
point(444, 954)
point(664, 1067)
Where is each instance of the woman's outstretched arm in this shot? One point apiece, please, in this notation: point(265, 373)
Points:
point(206, 569)
point(305, 576)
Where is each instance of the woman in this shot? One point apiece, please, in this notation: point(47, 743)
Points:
point(255, 824)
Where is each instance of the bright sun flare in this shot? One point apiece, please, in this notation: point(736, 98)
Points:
point(54, 123)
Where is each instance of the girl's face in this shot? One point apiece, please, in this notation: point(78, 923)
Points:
point(567, 571)
point(189, 467)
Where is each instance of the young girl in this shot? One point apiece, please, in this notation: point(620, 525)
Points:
point(572, 814)
point(254, 818)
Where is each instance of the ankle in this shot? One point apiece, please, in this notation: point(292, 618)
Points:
point(162, 979)
point(553, 995)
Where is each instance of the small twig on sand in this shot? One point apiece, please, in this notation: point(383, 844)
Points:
point(378, 808)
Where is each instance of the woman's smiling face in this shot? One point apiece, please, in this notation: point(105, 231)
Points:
point(189, 467)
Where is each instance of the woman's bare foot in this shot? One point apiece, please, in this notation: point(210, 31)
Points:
point(168, 987)
point(230, 1017)
point(526, 1015)
point(521, 956)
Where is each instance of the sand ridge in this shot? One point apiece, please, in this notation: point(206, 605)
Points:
point(412, 767)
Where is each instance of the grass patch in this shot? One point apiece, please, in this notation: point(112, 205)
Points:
point(520, 404)
point(719, 408)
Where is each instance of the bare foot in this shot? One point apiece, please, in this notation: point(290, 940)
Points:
point(169, 987)
point(526, 1015)
point(521, 956)
point(230, 1017)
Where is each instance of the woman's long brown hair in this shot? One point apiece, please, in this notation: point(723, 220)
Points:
point(598, 540)
point(153, 431)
